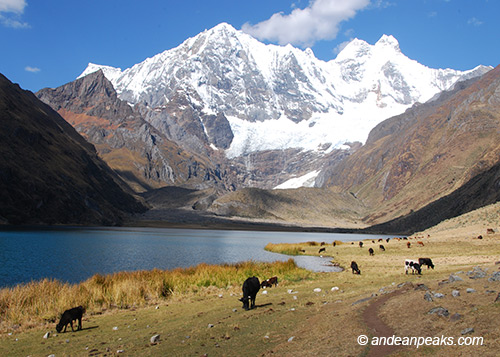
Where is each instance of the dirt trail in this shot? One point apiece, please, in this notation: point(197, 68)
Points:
point(379, 328)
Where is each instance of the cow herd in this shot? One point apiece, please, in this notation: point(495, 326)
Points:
point(414, 265)
point(252, 285)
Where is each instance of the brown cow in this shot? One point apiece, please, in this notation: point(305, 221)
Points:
point(269, 282)
point(408, 244)
point(420, 243)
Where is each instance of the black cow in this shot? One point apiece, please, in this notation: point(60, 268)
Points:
point(426, 261)
point(371, 251)
point(361, 244)
point(322, 250)
point(251, 287)
point(354, 267)
point(381, 247)
point(69, 316)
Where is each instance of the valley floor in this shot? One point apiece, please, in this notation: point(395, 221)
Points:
point(321, 316)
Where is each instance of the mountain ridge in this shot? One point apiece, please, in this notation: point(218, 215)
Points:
point(262, 88)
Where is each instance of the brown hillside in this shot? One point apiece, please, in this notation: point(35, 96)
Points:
point(48, 173)
point(426, 153)
point(302, 206)
point(143, 157)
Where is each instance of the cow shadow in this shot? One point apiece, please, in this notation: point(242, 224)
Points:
point(262, 305)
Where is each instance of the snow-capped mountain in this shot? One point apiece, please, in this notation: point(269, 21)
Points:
point(276, 97)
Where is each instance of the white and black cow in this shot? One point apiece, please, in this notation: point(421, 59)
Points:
point(413, 265)
point(251, 287)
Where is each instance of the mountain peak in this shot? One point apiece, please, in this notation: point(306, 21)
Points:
point(388, 41)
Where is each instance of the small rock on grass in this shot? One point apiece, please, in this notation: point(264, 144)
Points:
point(467, 331)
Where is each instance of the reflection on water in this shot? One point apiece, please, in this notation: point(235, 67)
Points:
point(73, 255)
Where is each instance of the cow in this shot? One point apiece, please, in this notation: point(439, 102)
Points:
point(69, 316)
point(371, 251)
point(361, 244)
point(420, 243)
point(334, 243)
point(387, 240)
point(490, 231)
point(269, 282)
point(408, 244)
point(426, 261)
point(382, 248)
point(322, 250)
point(322, 244)
point(380, 240)
point(355, 268)
point(413, 265)
point(250, 288)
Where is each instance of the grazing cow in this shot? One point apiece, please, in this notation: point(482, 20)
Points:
point(322, 250)
point(380, 240)
point(251, 287)
point(490, 231)
point(413, 264)
point(355, 268)
point(408, 244)
point(373, 241)
point(269, 282)
point(426, 261)
point(371, 251)
point(69, 316)
point(382, 248)
point(303, 250)
point(387, 240)
point(322, 244)
point(420, 243)
point(361, 244)
point(479, 237)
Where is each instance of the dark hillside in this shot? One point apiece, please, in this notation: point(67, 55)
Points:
point(49, 174)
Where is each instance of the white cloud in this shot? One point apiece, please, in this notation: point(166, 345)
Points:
point(10, 13)
point(474, 22)
point(320, 20)
point(32, 69)
point(341, 46)
point(15, 6)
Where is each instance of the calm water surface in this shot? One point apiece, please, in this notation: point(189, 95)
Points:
point(75, 254)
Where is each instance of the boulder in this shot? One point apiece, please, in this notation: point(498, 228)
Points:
point(440, 311)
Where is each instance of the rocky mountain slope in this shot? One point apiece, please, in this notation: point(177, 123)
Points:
point(142, 155)
point(48, 173)
point(446, 151)
point(224, 92)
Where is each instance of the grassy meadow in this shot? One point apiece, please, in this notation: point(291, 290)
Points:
point(196, 311)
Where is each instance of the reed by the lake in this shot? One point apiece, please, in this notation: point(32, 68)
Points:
point(38, 302)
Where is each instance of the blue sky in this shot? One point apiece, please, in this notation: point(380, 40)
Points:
point(49, 43)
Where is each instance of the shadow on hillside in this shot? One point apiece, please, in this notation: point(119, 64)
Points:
point(480, 191)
